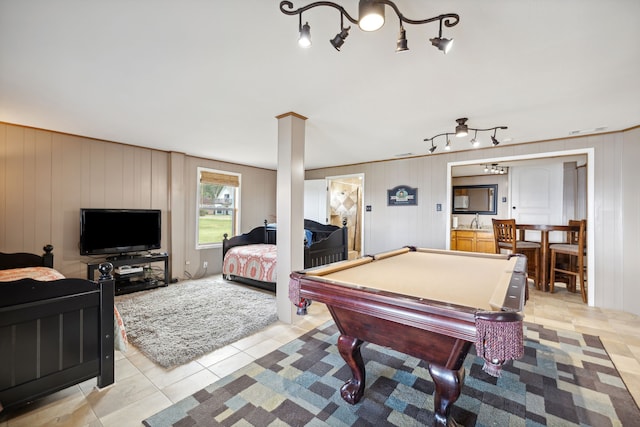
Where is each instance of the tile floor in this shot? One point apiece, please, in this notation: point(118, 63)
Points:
point(142, 388)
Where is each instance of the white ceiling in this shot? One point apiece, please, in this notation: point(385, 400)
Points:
point(208, 77)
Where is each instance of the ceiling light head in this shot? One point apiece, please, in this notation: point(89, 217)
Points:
point(402, 41)
point(371, 15)
point(305, 36)
point(448, 146)
point(494, 141)
point(432, 148)
point(338, 40)
point(442, 43)
point(474, 141)
point(462, 129)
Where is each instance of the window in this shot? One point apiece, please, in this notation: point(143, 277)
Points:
point(218, 206)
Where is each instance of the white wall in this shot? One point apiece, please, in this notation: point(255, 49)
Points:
point(629, 223)
point(616, 194)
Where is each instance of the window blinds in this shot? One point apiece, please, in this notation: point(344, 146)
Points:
point(207, 177)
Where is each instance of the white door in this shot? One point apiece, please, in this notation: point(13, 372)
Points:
point(536, 196)
point(315, 200)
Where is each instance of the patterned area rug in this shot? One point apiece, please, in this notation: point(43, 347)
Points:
point(564, 379)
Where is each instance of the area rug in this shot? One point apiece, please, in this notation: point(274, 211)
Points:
point(564, 379)
point(183, 321)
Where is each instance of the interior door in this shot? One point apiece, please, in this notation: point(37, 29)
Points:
point(536, 196)
point(315, 200)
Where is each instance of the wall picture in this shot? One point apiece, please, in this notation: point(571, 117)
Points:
point(402, 195)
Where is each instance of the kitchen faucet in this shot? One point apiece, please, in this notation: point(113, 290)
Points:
point(477, 222)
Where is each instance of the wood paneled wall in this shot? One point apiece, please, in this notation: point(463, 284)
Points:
point(616, 218)
point(46, 177)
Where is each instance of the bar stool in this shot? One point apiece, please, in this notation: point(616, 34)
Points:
point(574, 269)
point(504, 234)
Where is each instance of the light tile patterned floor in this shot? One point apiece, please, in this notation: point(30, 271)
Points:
point(143, 389)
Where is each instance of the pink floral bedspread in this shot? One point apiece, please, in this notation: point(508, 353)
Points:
point(35, 273)
point(48, 274)
point(257, 262)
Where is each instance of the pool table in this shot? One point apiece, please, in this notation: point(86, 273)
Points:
point(430, 304)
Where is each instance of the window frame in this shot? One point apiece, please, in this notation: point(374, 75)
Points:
point(237, 208)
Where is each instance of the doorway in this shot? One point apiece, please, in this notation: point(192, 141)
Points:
point(336, 199)
point(587, 170)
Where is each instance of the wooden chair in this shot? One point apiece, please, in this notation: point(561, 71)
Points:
point(574, 249)
point(505, 235)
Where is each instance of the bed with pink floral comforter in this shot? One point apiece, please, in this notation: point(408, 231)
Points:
point(255, 262)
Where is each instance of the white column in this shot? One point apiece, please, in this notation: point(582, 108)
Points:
point(290, 207)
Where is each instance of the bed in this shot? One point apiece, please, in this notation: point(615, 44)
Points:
point(54, 332)
point(250, 258)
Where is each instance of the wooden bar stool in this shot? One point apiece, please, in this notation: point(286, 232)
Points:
point(572, 269)
point(505, 235)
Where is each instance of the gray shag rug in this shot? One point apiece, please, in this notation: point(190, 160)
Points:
point(176, 324)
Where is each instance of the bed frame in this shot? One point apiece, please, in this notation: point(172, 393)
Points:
point(53, 334)
point(331, 244)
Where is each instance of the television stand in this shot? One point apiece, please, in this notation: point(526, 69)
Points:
point(127, 283)
point(121, 257)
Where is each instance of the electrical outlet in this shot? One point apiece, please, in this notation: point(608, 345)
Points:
point(205, 264)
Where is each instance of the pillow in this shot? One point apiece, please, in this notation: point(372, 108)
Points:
point(308, 236)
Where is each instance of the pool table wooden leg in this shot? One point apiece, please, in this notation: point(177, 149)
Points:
point(448, 387)
point(349, 347)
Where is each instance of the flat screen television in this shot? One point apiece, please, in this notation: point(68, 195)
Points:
point(119, 231)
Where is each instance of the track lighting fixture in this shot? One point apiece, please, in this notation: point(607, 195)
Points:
point(462, 129)
point(371, 18)
point(496, 169)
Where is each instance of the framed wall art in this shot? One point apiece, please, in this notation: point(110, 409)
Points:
point(402, 195)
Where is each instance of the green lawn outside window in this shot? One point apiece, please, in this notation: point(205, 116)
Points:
point(212, 228)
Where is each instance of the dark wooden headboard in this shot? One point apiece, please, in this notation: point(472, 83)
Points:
point(24, 259)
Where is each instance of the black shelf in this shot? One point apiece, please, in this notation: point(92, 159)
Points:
point(134, 282)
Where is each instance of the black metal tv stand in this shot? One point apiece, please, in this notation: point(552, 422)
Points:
point(133, 282)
